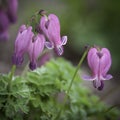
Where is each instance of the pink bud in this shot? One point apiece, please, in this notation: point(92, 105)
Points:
point(22, 42)
point(4, 22)
point(12, 10)
point(35, 49)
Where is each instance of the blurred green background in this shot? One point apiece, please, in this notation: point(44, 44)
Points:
point(85, 22)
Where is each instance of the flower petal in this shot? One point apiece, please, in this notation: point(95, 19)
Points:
point(59, 50)
point(64, 40)
point(107, 77)
point(93, 60)
point(49, 45)
point(105, 61)
point(22, 28)
point(17, 59)
point(88, 78)
point(22, 43)
point(36, 47)
point(54, 30)
point(97, 83)
point(101, 86)
point(42, 26)
point(32, 65)
point(23, 40)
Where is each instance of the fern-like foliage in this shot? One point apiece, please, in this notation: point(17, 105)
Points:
point(39, 95)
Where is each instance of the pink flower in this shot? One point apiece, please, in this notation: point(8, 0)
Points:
point(99, 62)
point(4, 24)
point(4, 21)
point(35, 49)
point(51, 28)
point(12, 10)
point(8, 15)
point(22, 43)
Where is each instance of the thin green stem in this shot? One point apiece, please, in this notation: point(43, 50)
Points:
point(78, 67)
point(11, 77)
point(26, 68)
point(110, 108)
point(67, 93)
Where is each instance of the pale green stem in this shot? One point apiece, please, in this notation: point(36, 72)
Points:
point(11, 77)
point(110, 108)
point(25, 69)
point(11, 74)
point(67, 93)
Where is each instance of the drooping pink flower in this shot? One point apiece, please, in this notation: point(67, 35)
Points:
point(4, 21)
point(51, 28)
point(8, 15)
point(12, 7)
point(22, 43)
point(99, 62)
point(4, 24)
point(35, 49)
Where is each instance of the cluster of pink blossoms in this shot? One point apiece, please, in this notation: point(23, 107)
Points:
point(33, 44)
point(48, 34)
point(8, 15)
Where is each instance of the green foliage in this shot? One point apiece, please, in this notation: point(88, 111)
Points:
point(40, 93)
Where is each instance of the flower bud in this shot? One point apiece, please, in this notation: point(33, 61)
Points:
point(4, 22)
point(35, 49)
point(22, 43)
point(12, 10)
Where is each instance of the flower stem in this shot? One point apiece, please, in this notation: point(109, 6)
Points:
point(11, 77)
point(110, 108)
point(25, 70)
point(67, 93)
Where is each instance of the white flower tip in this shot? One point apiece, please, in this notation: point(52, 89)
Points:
point(49, 45)
point(64, 40)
